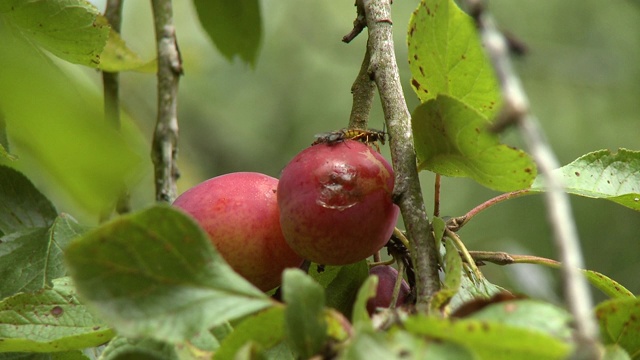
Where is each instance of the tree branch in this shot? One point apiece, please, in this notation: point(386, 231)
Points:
point(383, 69)
point(165, 138)
point(516, 111)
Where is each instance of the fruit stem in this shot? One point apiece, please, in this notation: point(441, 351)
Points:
point(397, 285)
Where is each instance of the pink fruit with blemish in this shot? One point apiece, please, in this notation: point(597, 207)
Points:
point(239, 211)
point(336, 203)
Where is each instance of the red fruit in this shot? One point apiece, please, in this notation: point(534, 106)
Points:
point(335, 203)
point(239, 211)
point(387, 276)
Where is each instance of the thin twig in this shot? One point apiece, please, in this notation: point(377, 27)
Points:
point(165, 138)
point(456, 223)
point(383, 69)
point(516, 111)
point(436, 196)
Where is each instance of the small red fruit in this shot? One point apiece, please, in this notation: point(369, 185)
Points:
point(335, 203)
point(239, 211)
point(387, 276)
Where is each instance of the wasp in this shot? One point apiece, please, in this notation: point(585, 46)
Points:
point(366, 136)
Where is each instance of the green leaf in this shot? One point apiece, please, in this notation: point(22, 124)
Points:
point(490, 340)
point(4, 141)
point(615, 352)
point(118, 57)
point(452, 139)
point(607, 285)
point(141, 349)
point(473, 288)
point(29, 260)
point(446, 58)
point(234, 26)
point(360, 318)
point(342, 289)
point(56, 125)
point(602, 174)
point(368, 345)
point(49, 320)
point(265, 329)
point(60, 355)
point(73, 30)
point(22, 206)
point(305, 325)
point(453, 273)
point(620, 323)
point(156, 274)
point(531, 315)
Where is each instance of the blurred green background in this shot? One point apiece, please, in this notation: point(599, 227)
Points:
point(581, 71)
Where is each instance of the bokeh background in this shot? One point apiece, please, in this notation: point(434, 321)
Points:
point(581, 72)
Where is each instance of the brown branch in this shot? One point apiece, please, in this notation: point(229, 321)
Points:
point(363, 91)
point(516, 111)
point(165, 138)
point(383, 69)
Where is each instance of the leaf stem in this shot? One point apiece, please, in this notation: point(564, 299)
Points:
point(383, 69)
point(165, 138)
point(516, 111)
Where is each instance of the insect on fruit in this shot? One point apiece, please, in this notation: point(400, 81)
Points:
point(366, 136)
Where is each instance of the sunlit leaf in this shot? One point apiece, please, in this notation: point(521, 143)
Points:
point(620, 323)
point(116, 56)
point(22, 206)
point(452, 139)
point(156, 274)
point(234, 26)
point(49, 320)
point(489, 339)
point(31, 259)
point(73, 30)
point(603, 174)
point(56, 126)
point(305, 325)
point(615, 352)
point(446, 58)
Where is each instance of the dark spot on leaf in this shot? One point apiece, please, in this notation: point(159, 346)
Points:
point(577, 173)
point(415, 56)
point(485, 326)
point(477, 130)
point(463, 57)
point(413, 28)
point(608, 182)
point(421, 70)
point(415, 83)
point(57, 311)
point(428, 11)
point(96, 328)
point(527, 170)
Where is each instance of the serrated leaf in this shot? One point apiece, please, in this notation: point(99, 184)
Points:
point(446, 58)
point(473, 288)
point(49, 320)
point(234, 26)
point(305, 325)
point(602, 174)
point(490, 340)
point(620, 323)
point(31, 259)
point(452, 139)
point(73, 30)
point(22, 206)
point(529, 314)
point(265, 329)
point(117, 56)
point(156, 274)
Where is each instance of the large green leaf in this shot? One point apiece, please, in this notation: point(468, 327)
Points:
point(22, 206)
point(31, 259)
point(452, 139)
point(341, 284)
point(140, 349)
point(56, 126)
point(73, 30)
point(620, 323)
point(603, 174)
point(305, 324)
point(156, 274)
point(446, 58)
point(49, 320)
point(489, 339)
point(234, 26)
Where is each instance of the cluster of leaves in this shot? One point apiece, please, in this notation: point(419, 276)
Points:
point(151, 285)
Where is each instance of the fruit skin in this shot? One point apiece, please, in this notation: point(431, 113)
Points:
point(387, 276)
point(335, 203)
point(239, 211)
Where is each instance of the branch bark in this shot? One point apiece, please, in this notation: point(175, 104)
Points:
point(516, 111)
point(383, 70)
point(165, 138)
